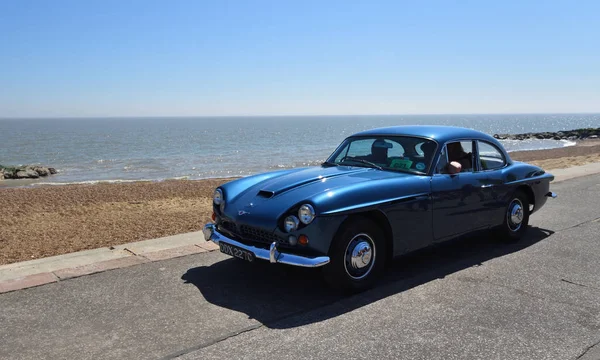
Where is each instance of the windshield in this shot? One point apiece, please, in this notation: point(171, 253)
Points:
point(397, 153)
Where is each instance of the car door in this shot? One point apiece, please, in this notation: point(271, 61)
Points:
point(458, 199)
point(491, 162)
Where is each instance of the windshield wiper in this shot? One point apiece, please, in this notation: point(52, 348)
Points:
point(329, 163)
point(366, 162)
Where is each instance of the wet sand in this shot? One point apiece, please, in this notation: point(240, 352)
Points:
point(43, 221)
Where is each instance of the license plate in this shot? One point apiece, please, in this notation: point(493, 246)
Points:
point(236, 252)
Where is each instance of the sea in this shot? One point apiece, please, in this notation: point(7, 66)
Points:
point(91, 150)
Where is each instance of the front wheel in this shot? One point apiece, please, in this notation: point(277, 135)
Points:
point(516, 217)
point(357, 256)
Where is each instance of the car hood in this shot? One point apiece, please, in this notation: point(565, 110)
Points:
point(269, 199)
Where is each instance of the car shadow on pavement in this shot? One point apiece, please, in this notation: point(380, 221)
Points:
point(283, 296)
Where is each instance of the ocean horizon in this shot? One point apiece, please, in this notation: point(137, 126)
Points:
point(121, 149)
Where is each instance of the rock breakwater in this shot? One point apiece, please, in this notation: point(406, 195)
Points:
point(577, 134)
point(25, 172)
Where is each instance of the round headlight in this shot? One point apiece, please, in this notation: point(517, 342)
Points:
point(306, 213)
point(291, 223)
point(218, 197)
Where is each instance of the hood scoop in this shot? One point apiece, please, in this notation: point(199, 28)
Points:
point(265, 193)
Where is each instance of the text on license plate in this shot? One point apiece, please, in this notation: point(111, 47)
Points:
point(236, 252)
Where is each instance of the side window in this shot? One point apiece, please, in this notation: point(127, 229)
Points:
point(490, 157)
point(461, 152)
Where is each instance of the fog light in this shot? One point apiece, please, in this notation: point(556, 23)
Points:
point(292, 240)
point(303, 240)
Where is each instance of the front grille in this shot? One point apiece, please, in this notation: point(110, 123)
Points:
point(250, 233)
point(229, 226)
point(253, 233)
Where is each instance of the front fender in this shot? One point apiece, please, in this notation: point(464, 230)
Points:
point(372, 195)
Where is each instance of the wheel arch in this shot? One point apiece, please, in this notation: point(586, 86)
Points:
point(530, 195)
point(379, 218)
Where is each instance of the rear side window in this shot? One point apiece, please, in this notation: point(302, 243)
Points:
point(490, 157)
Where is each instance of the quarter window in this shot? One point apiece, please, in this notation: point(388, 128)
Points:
point(490, 157)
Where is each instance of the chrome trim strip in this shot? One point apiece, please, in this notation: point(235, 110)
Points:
point(418, 196)
point(530, 179)
point(272, 255)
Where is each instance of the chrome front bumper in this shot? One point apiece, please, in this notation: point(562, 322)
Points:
point(273, 255)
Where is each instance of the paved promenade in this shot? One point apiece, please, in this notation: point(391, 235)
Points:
point(471, 298)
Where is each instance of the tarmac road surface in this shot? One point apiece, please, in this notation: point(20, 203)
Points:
point(474, 298)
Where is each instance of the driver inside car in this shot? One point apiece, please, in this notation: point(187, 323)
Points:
point(379, 151)
point(458, 159)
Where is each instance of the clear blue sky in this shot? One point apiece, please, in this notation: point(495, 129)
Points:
point(147, 58)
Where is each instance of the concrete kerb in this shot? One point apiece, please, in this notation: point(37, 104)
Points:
point(575, 171)
point(38, 272)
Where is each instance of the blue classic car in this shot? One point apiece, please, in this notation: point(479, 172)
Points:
point(382, 193)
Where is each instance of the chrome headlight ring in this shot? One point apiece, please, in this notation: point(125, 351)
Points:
point(218, 198)
point(291, 223)
point(306, 214)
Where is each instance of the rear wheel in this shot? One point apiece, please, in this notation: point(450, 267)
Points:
point(516, 217)
point(357, 256)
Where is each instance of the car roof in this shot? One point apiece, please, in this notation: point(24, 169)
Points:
point(438, 133)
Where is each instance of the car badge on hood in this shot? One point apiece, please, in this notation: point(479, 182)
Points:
point(243, 212)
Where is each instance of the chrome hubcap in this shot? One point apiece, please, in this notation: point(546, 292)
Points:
point(359, 256)
point(515, 215)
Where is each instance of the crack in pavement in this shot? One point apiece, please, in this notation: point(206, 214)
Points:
point(242, 331)
point(523, 292)
point(129, 251)
point(580, 224)
point(574, 283)
point(586, 351)
point(211, 342)
point(578, 284)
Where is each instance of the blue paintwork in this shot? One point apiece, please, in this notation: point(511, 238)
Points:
point(419, 209)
